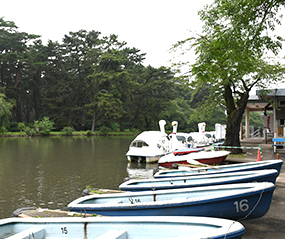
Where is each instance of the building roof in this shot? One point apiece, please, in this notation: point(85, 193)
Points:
point(271, 92)
point(258, 102)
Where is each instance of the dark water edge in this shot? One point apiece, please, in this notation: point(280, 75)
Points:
point(50, 172)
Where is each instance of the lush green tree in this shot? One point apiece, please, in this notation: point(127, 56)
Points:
point(31, 88)
point(231, 56)
point(151, 96)
point(87, 81)
point(68, 68)
point(14, 47)
point(114, 74)
point(256, 119)
point(5, 111)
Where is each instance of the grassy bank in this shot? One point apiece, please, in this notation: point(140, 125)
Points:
point(75, 133)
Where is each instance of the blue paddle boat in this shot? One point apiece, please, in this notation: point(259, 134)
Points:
point(230, 201)
point(120, 227)
point(266, 175)
point(185, 172)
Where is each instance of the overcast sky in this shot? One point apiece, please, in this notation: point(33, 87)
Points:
point(150, 25)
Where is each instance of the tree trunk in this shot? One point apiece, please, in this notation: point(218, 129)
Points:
point(121, 125)
point(93, 122)
point(133, 124)
point(234, 118)
point(18, 75)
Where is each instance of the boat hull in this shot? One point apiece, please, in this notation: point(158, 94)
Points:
point(233, 201)
point(267, 175)
point(121, 227)
point(146, 159)
point(240, 167)
point(148, 147)
point(204, 157)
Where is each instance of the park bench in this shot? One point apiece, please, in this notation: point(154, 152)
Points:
point(278, 143)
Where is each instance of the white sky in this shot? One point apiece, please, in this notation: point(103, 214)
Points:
point(150, 25)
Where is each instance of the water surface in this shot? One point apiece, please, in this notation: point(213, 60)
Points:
point(50, 172)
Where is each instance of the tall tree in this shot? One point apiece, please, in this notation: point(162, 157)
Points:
point(114, 74)
point(231, 56)
point(152, 95)
point(14, 46)
point(69, 66)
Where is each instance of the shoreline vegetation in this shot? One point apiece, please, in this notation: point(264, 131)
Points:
point(89, 133)
point(75, 133)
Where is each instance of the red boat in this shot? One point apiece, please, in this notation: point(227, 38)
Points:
point(202, 157)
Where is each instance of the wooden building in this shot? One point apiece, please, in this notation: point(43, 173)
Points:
point(272, 104)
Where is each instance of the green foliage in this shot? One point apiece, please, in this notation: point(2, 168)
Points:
point(104, 130)
point(44, 126)
point(21, 126)
point(67, 130)
point(89, 133)
point(256, 120)
point(231, 57)
point(115, 127)
point(30, 131)
point(2, 130)
point(12, 127)
point(94, 82)
point(5, 111)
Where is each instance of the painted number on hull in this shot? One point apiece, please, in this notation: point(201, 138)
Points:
point(31, 236)
point(241, 205)
point(64, 230)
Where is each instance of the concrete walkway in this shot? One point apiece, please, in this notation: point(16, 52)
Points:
point(272, 224)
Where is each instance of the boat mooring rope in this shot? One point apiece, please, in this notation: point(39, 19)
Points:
point(246, 216)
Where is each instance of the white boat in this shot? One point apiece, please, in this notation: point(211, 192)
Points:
point(222, 201)
point(239, 167)
point(201, 138)
point(149, 146)
point(120, 228)
point(265, 175)
point(179, 140)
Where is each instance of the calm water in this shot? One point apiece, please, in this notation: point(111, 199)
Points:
point(50, 172)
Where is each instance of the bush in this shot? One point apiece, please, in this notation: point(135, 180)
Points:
point(30, 131)
point(67, 131)
point(3, 130)
point(21, 127)
point(44, 126)
point(104, 130)
point(115, 127)
point(12, 127)
point(89, 133)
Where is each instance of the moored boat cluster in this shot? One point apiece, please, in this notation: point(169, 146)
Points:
point(191, 201)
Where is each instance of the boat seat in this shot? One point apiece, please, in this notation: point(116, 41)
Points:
point(29, 233)
point(114, 234)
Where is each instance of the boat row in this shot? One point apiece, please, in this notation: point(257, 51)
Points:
point(235, 195)
point(198, 206)
point(203, 202)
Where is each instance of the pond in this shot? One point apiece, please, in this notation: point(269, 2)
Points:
point(50, 172)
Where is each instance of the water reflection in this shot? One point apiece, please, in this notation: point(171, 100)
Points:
point(50, 172)
point(140, 170)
